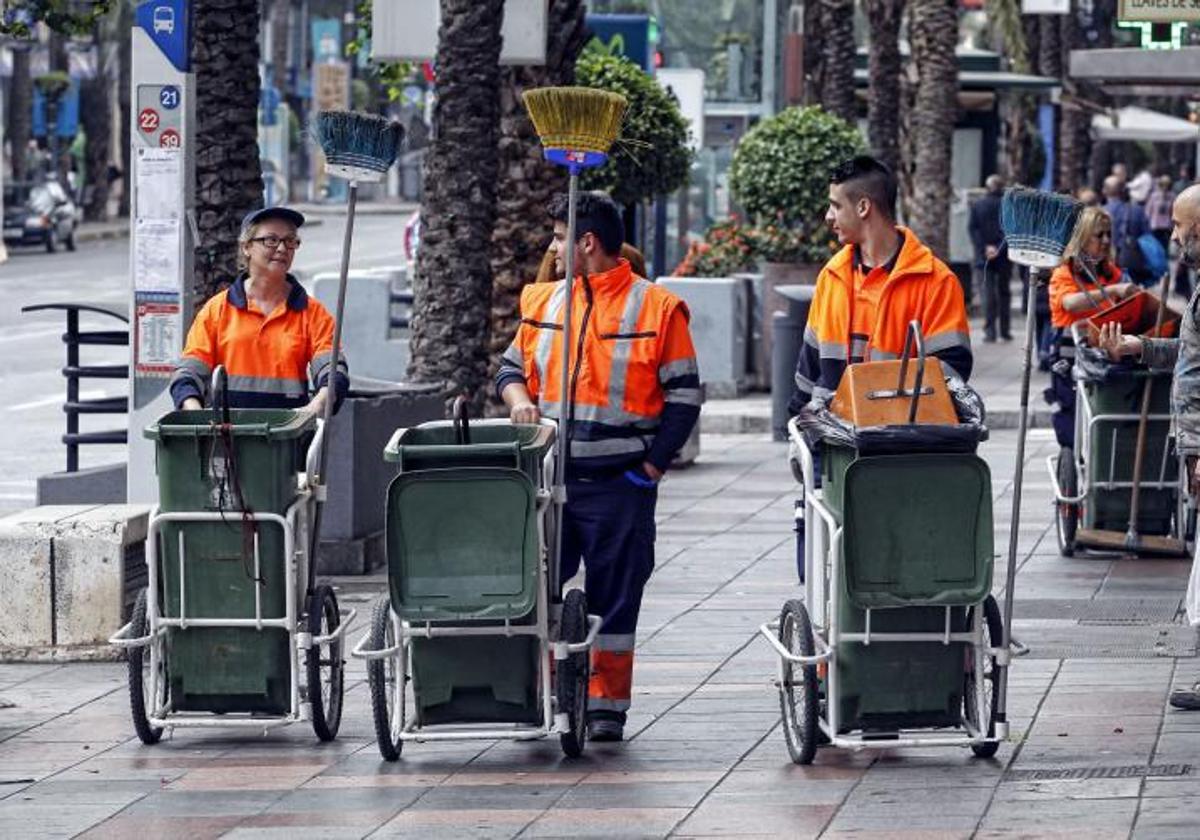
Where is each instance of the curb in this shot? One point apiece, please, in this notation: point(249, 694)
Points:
point(122, 232)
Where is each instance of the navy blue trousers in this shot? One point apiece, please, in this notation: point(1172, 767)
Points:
point(609, 526)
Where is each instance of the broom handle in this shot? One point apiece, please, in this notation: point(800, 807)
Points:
point(314, 540)
point(1139, 453)
point(1035, 279)
point(562, 444)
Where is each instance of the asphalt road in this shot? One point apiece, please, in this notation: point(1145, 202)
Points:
point(32, 354)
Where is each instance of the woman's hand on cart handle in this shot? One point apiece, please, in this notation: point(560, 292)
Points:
point(1116, 345)
point(191, 404)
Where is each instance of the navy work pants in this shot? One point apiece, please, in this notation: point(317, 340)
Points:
point(609, 525)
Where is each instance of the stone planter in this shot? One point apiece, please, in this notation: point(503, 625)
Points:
point(774, 275)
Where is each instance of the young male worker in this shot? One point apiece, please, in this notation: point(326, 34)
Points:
point(634, 397)
point(871, 289)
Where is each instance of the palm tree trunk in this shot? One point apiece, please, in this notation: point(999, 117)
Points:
point(96, 115)
point(20, 111)
point(453, 282)
point(837, 47)
point(1074, 130)
point(526, 182)
point(228, 172)
point(884, 71)
point(933, 33)
point(124, 82)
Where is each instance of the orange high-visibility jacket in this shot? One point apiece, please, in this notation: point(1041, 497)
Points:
point(269, 358)
point(1066, 280)
point(919, 287)
point(636, 387)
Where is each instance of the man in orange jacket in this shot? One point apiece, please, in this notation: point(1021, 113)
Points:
point(634, 398)
point(871, 289)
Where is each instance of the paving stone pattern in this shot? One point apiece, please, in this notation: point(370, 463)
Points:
point(705, 756)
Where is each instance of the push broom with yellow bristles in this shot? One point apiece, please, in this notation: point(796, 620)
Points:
point(577, 127)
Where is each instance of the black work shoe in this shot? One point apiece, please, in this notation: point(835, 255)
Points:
point(989, 339)
point(1186, 698)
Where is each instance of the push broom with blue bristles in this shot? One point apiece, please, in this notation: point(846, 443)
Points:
point(1037, 227)
point(359, 148)
point(577, 127)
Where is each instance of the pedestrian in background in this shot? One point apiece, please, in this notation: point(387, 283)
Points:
point(1158, 209)
point(991, 260)
point(1129, 222)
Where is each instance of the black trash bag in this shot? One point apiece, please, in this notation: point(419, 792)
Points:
point(1093, 365)
point(819, 424)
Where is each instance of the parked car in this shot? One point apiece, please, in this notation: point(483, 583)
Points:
point(39, 214)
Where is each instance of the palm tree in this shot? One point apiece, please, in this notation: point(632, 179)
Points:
point(453, 283)
point(933, 75)
point(228, 173)
point(526, 182)
point(838, 50)
point(20, 109)
point(883, 73)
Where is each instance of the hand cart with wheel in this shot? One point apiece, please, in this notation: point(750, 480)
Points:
point(473, 639)
point(1095, 483)
point(230, 630)
point(897, 639)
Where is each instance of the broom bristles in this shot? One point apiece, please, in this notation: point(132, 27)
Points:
point(357, 144)
point(1037, 225)
point(576, 118)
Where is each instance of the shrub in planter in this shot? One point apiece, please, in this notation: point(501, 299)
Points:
point(780, 176)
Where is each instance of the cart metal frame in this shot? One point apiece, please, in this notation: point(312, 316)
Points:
point(294, 521)
point(547, 616)
point(823, 573)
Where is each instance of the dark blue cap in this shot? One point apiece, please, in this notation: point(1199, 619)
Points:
point(256, 216)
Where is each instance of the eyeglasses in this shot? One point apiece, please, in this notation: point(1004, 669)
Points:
point(272, 242)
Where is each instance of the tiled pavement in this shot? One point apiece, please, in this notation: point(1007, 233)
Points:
point(705, 756)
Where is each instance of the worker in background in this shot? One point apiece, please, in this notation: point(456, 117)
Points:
point(1087, 281)
point(633, 399)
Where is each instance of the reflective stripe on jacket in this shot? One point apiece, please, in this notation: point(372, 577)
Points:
point(635, 378)
point(920, 287)
point(269, 359)
point(1065, 281)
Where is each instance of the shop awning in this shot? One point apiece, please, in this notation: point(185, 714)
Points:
point(1133, 123)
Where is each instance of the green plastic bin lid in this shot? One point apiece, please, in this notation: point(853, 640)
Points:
point(438, 439)
point(271, 423)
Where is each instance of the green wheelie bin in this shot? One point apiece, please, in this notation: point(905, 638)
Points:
point(463, 550)
point(249, 465)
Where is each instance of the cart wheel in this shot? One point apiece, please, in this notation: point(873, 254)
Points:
point(573, 674)
point(798, 689)
point(324, 664)
point(1067, 518)
point(387, 696)
point(139, 676)
point(993, 634)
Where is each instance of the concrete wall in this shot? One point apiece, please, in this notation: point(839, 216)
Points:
point(720, 310)
point(366, 326)
point(66, 570)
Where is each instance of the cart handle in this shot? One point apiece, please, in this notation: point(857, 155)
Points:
point(594, 622)
point(342, 627)
point(770, 632)
point(121, 638)
point(1059, 498)
point(911, 336)
point(359, 650)
point(220, 395)
point(462, 424)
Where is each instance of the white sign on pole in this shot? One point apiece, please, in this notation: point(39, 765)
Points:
point(1158, 11)
point(1045, 7)
point(408, 31)
point(156, 255)
point(687, 84)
